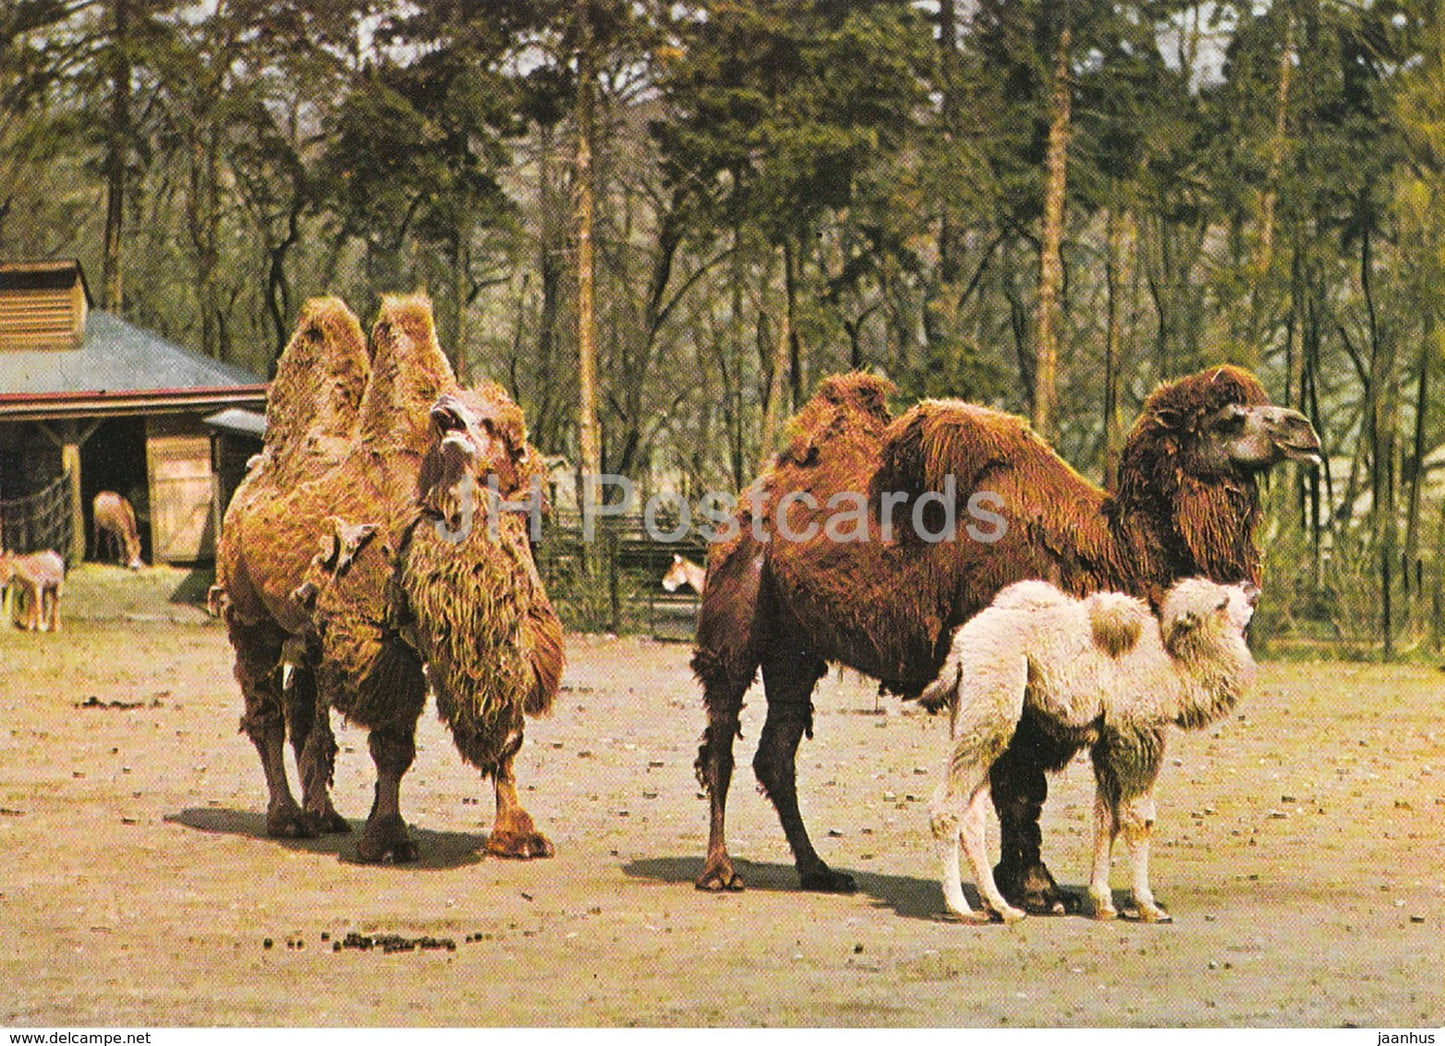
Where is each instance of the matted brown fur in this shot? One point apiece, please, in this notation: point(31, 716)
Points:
point(362, 610)
point(885, 606)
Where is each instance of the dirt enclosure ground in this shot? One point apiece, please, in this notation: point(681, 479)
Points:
point(1299, 849)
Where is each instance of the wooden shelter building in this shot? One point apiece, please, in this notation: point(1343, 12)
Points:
point(87, 398)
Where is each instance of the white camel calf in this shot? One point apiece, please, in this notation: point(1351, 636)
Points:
point(1102, 670)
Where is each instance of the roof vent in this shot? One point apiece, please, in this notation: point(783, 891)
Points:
point(43, 305)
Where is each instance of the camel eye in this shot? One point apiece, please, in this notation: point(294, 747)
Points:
point(1232, 421)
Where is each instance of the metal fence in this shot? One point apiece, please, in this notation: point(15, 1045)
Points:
point(38, 521)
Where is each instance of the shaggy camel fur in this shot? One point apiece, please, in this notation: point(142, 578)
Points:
point(32, 586)
point(311, 414)
point(112, 523)
point(684, 572)
point(410, 586)
point(849, 591)
point(1101, 671)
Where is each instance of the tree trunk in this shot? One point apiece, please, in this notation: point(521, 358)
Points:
point(1113, 427)
point(117, 135)
point(1264, 253)
point(588, 441)
point(1050, 261)
point(777, 376)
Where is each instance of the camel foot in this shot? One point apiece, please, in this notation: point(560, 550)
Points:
point(719, 877)
point(825, 880)
point(1152, 913)
point(327, 822)
point(1031, 888)
point(386, 841)
point(970, 916)
point(289, 822)
point(1008, 914)
point(520, 846)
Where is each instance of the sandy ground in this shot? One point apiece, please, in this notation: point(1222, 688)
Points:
point(1299, 848)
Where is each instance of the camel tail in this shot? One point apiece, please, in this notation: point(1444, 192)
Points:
point(943, 692)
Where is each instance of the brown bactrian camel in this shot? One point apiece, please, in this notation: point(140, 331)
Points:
point(416, 567)
point(112, 522)
point(836, 587)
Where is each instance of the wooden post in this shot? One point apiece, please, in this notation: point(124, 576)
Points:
point(70, 439)
point(70, 463)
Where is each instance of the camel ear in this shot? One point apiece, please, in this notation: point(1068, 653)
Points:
point(1169, 417)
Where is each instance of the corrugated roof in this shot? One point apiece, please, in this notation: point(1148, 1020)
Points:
point(238, 422)
point(116, 357)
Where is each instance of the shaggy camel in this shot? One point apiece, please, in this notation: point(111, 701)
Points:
point(32, 585)
point(884, 603)
point(1102, 671)
point(684, 572)
point(420, 579)
point(112, 524)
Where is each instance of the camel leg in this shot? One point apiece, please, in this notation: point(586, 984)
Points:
point(315, 747)
point(393, 747)
point(975, 846)
point(257, 649)
point(513, 833)
point(1106, 829)
point(950, 802)
point(1019, 788)
point(715, 773)
point(788, 681)
point(1137, 817)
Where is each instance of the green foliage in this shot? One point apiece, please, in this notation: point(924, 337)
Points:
point(1251, 182)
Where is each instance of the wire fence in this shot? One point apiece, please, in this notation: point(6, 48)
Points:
point(38, 521)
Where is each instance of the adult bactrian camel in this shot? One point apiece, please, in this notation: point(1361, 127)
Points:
point(1185, 504)
point(403, 581)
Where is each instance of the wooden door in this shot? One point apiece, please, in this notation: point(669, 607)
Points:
point(181, 491)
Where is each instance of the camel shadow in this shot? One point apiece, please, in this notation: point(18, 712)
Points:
point(905, 895)
point(437, 850)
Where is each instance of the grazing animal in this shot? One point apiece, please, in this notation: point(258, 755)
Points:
point(420, 578)
point(113, 525)
point(1101, 671)
point(823, 565)
point(684, 572)
point(33, 585)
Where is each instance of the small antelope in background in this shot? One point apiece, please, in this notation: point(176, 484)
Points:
point(32, 589)
point(113, 523)
point(684, 572)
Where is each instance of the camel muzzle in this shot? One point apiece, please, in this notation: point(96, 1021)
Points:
point(1293, 434)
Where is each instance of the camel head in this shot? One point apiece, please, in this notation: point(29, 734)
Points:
point(477, 433)
point(1203, 625)
point(1219, 423)
point(1197, 605)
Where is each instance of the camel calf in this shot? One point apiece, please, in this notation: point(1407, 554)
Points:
point(113, 524)
point(1101, 670)
point(33, 582)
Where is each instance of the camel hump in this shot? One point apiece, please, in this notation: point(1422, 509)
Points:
point(858, 392)
point(408, 372)
point(319, 377)
point(854, 405)
point(940, 438)
point(1116, 622)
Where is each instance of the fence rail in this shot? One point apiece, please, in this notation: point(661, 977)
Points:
point(38, 521)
